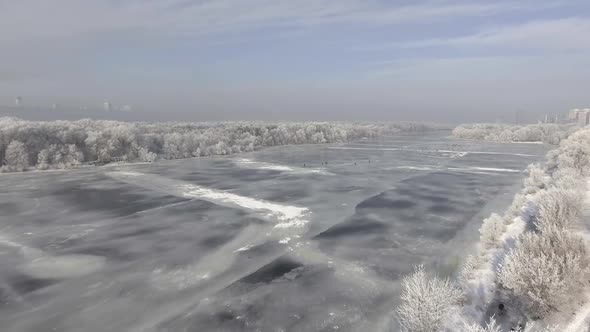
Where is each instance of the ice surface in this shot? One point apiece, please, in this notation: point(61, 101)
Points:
point(219, 244)
point(248, 163)
point(474, 169)
point(284, 215)
point(452, 152)
point(68, 266)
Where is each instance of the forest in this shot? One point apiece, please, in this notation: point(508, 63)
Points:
point(66, 144)
point(549, 133)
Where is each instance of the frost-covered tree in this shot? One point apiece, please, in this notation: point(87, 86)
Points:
point(70, 143)
point(490, 326)
point(567, 178)
point(73, 156)
point(491, 230)
point(575, 152)
point(426, 301)
point(144, 154)
point(467, 271)
point(536, 179)
point(43, 159)
point(16, 157)
point(558, 208)
point(547, 133)
point(545, 270)
point(547, 267)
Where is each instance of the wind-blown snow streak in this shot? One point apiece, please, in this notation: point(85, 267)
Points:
point(211, 265)
point(248, 163)
point(208, 274)
point(40, 264)
point(461, 153)
point(478, 170)
point(284, 216)
point(485, 169)
point(417, 168)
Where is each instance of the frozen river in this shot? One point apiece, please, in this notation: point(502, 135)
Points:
point(297, 238)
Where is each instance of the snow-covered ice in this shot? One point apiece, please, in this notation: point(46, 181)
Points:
point(218, 244)
point(249, 163)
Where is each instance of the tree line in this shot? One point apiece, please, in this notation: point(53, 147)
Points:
point(543, 132)
point(531, 266)
point(66, 144)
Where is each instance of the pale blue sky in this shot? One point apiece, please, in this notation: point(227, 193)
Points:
point(298, 59)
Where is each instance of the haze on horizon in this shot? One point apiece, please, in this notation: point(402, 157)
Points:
point(303, 59)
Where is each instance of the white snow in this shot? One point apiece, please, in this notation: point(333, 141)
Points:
point(461, 153)
point(248, 163)
point(244, 248)
point(67, 266)
point(491, 169)
point(178, 279)
point(581, 320)
point(40, 264)
point(458, 155)
point(285, 216)
point(481, 288)
point(475, 169)
point(485, 169)
point(289, 216)
point(262, 165)
point(536, 143)
point(416, 168)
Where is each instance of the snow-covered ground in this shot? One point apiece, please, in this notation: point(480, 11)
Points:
point(225, 245)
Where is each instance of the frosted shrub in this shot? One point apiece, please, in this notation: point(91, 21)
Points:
point(551, 160)
point(516, 207)
point(575, 152)
point(568, 178)
point(426, 301)
point(545, 270)
point(16, 157)
point(43, 159)
point(535, 180)
point(560, 208)
point(491, 231)
point(491, 326)
point(472, 263)
point(144, 155)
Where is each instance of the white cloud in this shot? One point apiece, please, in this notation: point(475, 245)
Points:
point(558, 35)
point(27, 20)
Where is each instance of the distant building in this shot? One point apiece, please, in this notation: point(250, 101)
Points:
point(18, 101)
point(584, 117)
point(572, 115)
point(579, 116)
point(127, 108)
point(551, 118)
point(107, 106)
point(54, 106)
